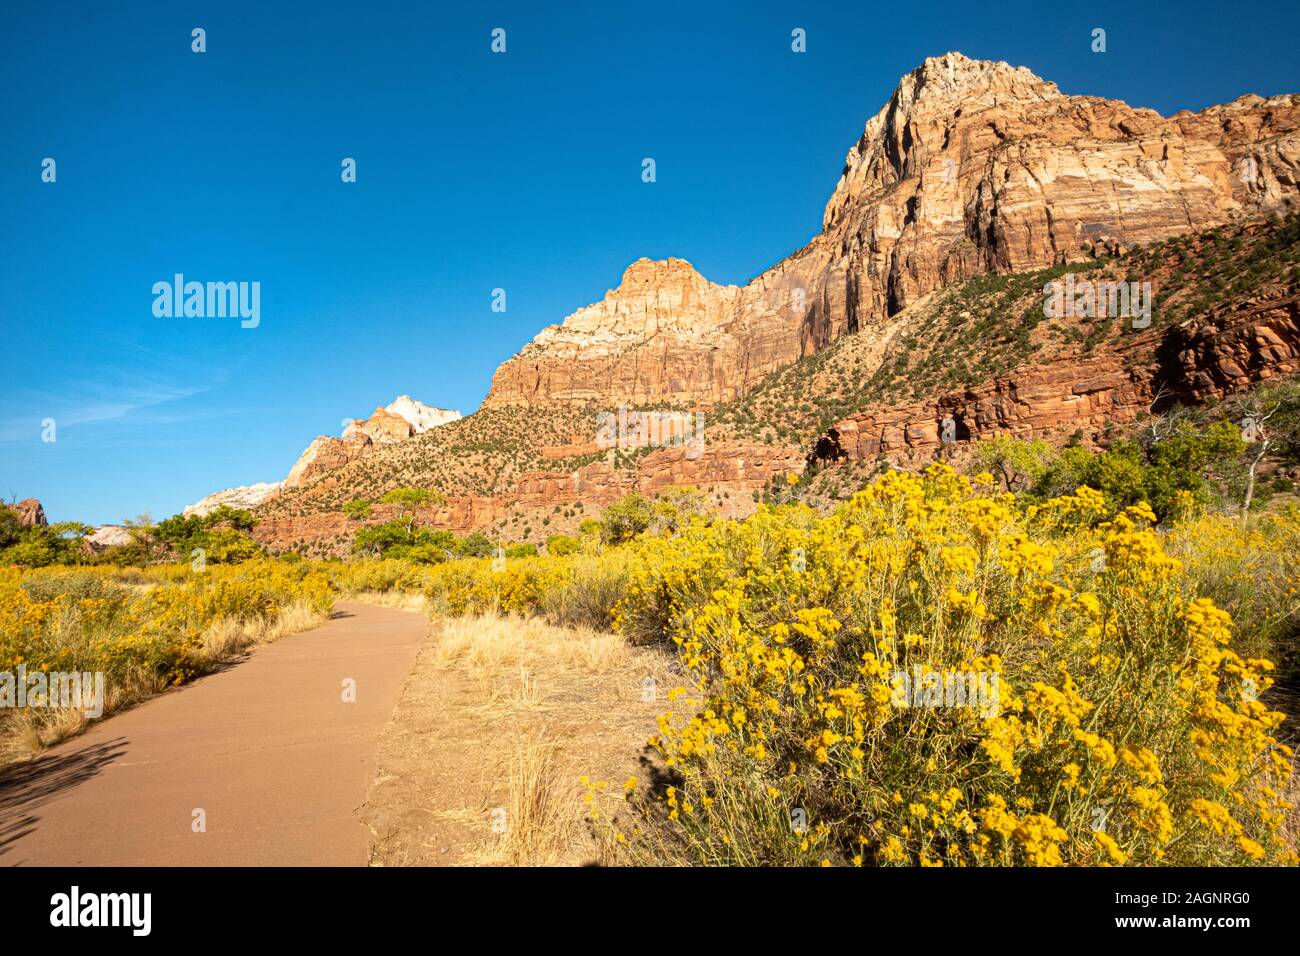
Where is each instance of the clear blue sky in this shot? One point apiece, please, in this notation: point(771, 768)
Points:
point(475, 171)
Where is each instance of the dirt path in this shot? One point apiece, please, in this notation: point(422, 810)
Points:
point(268, 750)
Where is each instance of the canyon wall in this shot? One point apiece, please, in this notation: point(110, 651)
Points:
point(971, 167)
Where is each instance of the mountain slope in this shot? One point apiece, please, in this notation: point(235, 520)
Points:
point(972, 167)
point(921, 301)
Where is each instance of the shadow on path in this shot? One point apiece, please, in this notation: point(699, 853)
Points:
point(25, 787)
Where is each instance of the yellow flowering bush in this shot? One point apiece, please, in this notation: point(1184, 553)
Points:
point(935, 674)
point(1254, 574)
point(127, 622)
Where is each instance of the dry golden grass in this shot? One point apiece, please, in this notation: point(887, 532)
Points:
point(228, 638)
point(500, 720)
point(540, 825)
point(485, 644)
point(400, 600)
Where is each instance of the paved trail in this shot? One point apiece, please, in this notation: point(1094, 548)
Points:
point(267, 748)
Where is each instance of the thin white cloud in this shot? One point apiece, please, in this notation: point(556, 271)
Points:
point(139, 399)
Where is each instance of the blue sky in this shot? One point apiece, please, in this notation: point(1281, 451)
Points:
point(475, 171)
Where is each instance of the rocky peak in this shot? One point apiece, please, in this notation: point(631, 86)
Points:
point(382, 427)
point(401, 419)
point(656, 296)
point(29, 511)
point(421, 417)
point(930, 100)
point(398, 421)
point(955, 77)
point(389, 424)
point(971, 167)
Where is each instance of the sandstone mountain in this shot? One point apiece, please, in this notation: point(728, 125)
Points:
point(971, 167)
point(920, 303)
point(399, 420)
point(387, 425)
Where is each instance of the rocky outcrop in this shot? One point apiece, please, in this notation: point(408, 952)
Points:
point(29, 511)
point(738, 470)
point(971, 167)
point(243, 497)
point(387, 425)
point(398, 421)
point(381, 428)
point(1031, 403)
point(650, 339)
point(108, 536)
point(421, 417)
point(325, 454)
point(1233, 352)
point(459, 515)
point(1207, 361)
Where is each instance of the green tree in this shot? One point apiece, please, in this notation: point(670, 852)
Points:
point(1017, 463)
point(41, 545)
point(626, 518)
point(1159, 473)
point(475, 545)
point(382, 539)
point(11, 531)
point(409, 499)
point(236, 518)
point(357, 509)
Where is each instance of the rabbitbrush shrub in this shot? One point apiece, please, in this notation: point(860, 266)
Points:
point(1125, 728)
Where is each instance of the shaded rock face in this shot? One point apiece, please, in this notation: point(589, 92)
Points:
point(29, 511)
point(826, 449)
point(971, 167)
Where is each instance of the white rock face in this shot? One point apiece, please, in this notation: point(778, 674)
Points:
point(110, 536)
point(422, 417)
point(245, 496)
